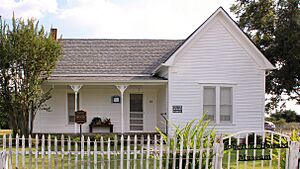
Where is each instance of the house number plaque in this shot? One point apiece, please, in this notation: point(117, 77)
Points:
point(177, 109)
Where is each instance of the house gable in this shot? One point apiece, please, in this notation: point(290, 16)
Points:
point(221, 16)
point(217, 56)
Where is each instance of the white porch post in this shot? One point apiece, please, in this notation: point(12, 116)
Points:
point(122, 89)
point(76, 88)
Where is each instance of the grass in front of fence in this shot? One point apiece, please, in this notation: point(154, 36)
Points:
point(63, 162)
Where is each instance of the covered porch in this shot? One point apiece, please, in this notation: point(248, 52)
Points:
point(130, 107)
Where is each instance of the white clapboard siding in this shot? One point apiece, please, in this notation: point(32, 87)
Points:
point(214, 57)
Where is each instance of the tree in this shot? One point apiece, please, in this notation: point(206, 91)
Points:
point(28, 56)
point(274, 26)
point(287, 115)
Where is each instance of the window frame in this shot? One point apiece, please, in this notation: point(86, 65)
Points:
point(67, 106)
point(218, 102)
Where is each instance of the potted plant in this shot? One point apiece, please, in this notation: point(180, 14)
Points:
point(103, 123)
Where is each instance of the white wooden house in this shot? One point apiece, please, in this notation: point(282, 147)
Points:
point(217, 70)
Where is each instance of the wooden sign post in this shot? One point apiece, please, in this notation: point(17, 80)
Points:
point(80, 118)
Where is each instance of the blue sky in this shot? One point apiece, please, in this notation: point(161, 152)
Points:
point(131, 19)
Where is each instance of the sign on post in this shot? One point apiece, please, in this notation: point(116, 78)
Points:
point(80, 117)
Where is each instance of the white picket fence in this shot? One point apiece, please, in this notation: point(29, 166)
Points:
point(118, 152)
point(139, 152)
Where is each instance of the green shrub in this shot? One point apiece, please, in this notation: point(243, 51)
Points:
point(295, 135)
point(192, 129)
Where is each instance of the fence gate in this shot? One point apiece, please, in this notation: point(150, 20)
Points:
point(257, 150)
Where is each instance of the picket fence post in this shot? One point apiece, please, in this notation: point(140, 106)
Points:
point(294, 155)
point(3, 160)
point(218, 150)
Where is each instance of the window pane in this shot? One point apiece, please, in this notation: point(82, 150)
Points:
point(210, 112)
point(136, 102)
point(209, 102)
point(226, 104)
point(71, 107)
point(209, 96)
point(226, 95)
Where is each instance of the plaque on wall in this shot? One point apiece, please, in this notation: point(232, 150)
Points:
point(116, 99)
point(177, 109)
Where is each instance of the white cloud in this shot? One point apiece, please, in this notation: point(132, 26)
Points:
point(117, 18)
point(27, 8)
point(137, 19)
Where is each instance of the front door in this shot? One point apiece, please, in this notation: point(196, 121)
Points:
point(136, 120)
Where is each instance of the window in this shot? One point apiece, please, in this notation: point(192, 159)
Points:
point(71, 107)
point(218, 103)
point(226, 104)
point(209, 102)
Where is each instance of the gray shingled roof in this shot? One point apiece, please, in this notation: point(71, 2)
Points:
point(112, 56)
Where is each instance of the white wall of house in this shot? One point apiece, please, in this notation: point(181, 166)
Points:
point(215, 56)
point(161, 108)
point(96, 100)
